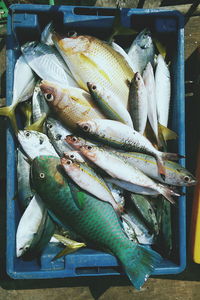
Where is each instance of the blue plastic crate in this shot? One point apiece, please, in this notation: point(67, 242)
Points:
point(25, 22)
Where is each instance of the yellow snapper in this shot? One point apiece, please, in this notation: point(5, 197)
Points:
point(71, 104)
point(90, 58)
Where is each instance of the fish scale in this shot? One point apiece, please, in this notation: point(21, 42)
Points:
point(96, 222)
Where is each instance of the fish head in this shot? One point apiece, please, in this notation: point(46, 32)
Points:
point(89, 151)
point(144, 39)
point(51, 92)
point(32, 141)
point(71, 43)
point(74, 156)
point(44, 170)
point(75, 141)
point(29, 48)
point(23, 244)
point(69, 165)
point(88, 126)
point(187, 178)
point(137, 80)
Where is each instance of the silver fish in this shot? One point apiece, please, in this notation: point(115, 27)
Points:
point(39, 105)
point(163, 90)
point(57, 134)
point(149, 82)
point(141, 51)
point(138, 103)
point(46, 35)
point(35, 143)
point(47, 63)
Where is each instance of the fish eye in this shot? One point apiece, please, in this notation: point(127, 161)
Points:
point(68, 162)
point(58, 137)
point(49, 97)
point(72, 33)
point(94, 87)
point(49, 126)
point(89, 147)
point(72, 156)
point(42, 175)
point(86, 128)
point(27, 134)
point(41, 140)
point(74, 139)
point(186, 178)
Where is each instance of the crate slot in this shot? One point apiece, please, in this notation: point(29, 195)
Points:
point(98, 270)
point(85, 11)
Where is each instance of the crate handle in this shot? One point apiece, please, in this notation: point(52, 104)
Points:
point(87, 11)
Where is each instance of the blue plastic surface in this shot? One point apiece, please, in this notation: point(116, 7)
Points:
point(25, 22)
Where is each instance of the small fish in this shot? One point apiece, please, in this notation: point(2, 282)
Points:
point(149, 82)
point(24, 191)
point(146, 211)
point(35, 143)
point(175, 174)
point(39, 105)
point(119, 169)
point(71, 246)
point(75, 156)
point(29, 225)
point(57, 133)
point(76, 141)
point(81, 174)
point(110, 105)
point(142, 51)
point(138, 103)
point(90, 58)
point(163, 90)
point(47, 63)
point(121, 136)
point(95, 223)
point(22, 89)
point(70, 105)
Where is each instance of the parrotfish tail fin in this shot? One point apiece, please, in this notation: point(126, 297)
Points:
point(139, 263)
point(168, 193)
point(9, 111)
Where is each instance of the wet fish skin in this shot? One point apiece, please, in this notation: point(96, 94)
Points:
point(39, 105)
point(119, 169)
point(163, 90)
point(57, 134)
point(88, 57)
point(70, 104)
point(138, 103)
point(149, 81)
point(110, 104)
point(81, 173)
point(95, 223)
point(175, 174)
point(142, 51)
point(35, 143)
point(121, 136)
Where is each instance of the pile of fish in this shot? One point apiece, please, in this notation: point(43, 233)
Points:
point(92, 164)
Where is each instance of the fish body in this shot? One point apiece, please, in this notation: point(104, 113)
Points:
point(175, 174)
point(47, 63)
point(88, 57)
point(39, 105)
point(46, 35)
point(70, 105)
point(57, 134)
point(24, 190)
point(141, 51)
point(110, 104)
point(119, 169)
point(121, 136)
point(97, 222)
point(149, 81)
point(138, 103)
point(163, 90)
point(88, 180)
point(35, 143)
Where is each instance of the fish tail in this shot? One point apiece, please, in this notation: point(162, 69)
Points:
point(168, 193)
point(38, 125)
point(161, 167)
point(171, 156)
point(138, 262)
point(9, 111)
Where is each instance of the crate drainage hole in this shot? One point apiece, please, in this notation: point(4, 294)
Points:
point(98, 270)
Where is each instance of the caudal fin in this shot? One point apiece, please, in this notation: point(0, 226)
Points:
point(168, 193)
point(171, 156)
point(9, 111)
point(139, 262)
